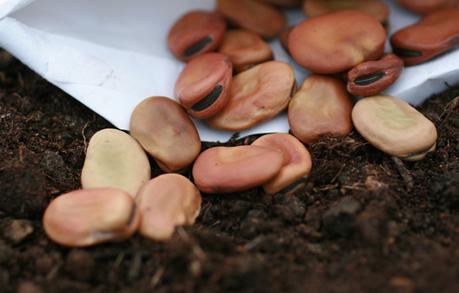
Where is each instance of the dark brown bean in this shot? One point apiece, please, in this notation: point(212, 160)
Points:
point(257, 95)
point(245, 49)
point(233, 169)
point(195, 33)
point(433, 35)
point(373, 77)
point(261, 18)
point(203, 86)
point(320, 107)
point(427, 6)
point(336, 42)
point(375, 8)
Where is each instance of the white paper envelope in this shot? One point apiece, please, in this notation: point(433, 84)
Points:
point(112, 54)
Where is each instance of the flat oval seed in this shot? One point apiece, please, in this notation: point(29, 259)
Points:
point(372, 77)
point(245, 49)
point(115, 159)
point(377, 9)
point(202, 87)
point(336, 42)
point(90, 216)
point(261, 18)
point(320, 107)
point(427, 6)
point(296, 166)
point(394, 127)
point(433, 35)
point(233, 169)
point(195, 33)
point(166, 202)
point(165, 131)
point(256, 95)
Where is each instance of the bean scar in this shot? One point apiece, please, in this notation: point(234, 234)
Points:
point(195, 33)
point(373, 77)
point(202, 87)
point(433, 35)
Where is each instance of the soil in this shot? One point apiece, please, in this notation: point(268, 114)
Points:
point(363, 222)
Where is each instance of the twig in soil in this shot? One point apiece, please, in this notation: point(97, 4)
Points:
point(197, 250)
point(404, 172)
point(85, 141)
point(337, 174)
point(450, 107)
point(136, 265)
point(119, 259)
point(157, 277)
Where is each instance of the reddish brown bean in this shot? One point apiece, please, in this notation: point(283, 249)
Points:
point(427, 6)
point(433, 35)
point(90, 216)
point(166, 202)
point(202, 87)
point(283, 37)
point(245, 49)
point(233, 169)
point(320, 107)
point(336, 42)
point(261, 18)
point(375, 8)
point(296, 165)
point(165, 131)
point(257, 95)
point(372, 77)
point(195, 33)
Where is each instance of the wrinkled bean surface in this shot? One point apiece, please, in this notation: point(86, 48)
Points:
point(202, 87)
point(375, 8)
point(115, 159)
point(433, 35)
point(166, 202)
point(372, 77)
point(256, 95)
point(245, 49)
point(259, 17)
point(165, 131)
point(233, 169)
point(427, 6)
point(320, 107)
point(296, 162)
point(336, 42)
point(90, 216)
point(394, 127)
point(195, 33)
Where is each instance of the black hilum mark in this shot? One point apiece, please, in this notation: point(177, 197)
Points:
point(208, 100)
point(369, 79)
point(197, 46)
point(407, 53)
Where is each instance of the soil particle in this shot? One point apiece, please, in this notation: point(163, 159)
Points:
point(338, 221)
point(17, 230)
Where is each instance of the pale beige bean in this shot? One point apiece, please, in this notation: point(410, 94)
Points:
point(320, 107)
point(257, 95)
point(245, 49)
point(394, 127)
point(115, 159)
point(296, 165)
point(165, 131)
point(90, 216)
point(166, 202)
point(233, 169)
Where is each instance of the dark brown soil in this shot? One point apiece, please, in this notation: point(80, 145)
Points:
point(363, 223)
